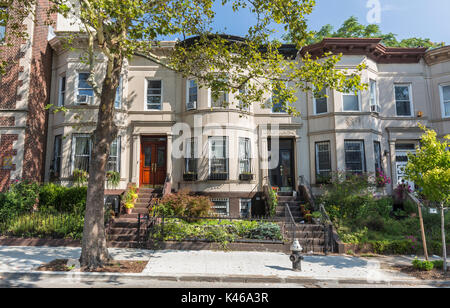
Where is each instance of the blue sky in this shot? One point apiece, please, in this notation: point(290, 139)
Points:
point(407, 18)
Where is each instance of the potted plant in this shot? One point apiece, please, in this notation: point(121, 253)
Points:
point(129, 206)
point(308, 216)
point(80, 177)
point(316, 216)
point(113, 178)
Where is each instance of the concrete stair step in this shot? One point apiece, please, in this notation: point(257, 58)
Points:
point(123, 238)
point(115, 244)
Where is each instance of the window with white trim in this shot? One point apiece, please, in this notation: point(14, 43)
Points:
point(81, 152)
point(190, 157)
point(277, 102)
point(445, 100)
point(403, 100)
point(57, 156)
point(114, 156)
point(220, 102)
point(321, 102)
point(218, 157)
point(354, 156)
point(85, 95)
point(373, 93)
point(242, 106)
point(191, 94)
point(62, 91)
point(350, 101)
point(323, 161)
point(154, 94)
point(245, 207)
point(221, 206)
point(119, 94)
point(244, 156)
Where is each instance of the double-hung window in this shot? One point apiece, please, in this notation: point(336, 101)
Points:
point(119, 94)
point(350, 101)
point(220, 102)
point(278, 103)
point(245, 206)
point(85, 94)
point(62, 91)
point(377, 153)
point(242, 106)
point(221, 206)
point(373, 96)
point(114, 156)
point(81, 149)
point(218, 158)
point(244, 156)
point(323, 161)
point(321, 102)
point(191, 94)
point(403, 100)
point(57, 155)
point(190, 158)
point(154, 95)
point(445, 100)
point(354, 156)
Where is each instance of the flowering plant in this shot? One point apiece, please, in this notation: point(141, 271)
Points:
point(382, 179)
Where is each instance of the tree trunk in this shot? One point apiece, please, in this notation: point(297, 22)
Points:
point(444, 246)
point(94, 252)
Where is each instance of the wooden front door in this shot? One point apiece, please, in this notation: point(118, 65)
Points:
point(283, 175)
point(153, 161)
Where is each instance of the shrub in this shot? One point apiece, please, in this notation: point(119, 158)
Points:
point(422, 265)
point(55, 198)
point(21, 198)
point(184, 205)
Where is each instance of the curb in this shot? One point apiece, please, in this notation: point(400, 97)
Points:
point(225, 279)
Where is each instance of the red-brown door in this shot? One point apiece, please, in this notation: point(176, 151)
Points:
point(153, 161)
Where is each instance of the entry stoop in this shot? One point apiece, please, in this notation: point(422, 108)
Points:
point(123, 233)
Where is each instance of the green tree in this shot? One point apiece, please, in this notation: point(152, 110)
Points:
point(352, 28)
point(429, 169)
point(121, 29)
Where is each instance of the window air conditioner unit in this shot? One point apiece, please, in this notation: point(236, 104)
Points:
point(375, 108)
point(192, 105)
point(84, 99)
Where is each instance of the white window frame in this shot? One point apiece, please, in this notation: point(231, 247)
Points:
point(441, 92)
point(376, 103)
point(249, 207)
point(74, 136)
point(57, 154)
point(120, 94)
point(3, 27)
point(353, 94)
point(61, 92)
point(316, 145)
point(315, 103)
point(241, 104)
point(411, 101)
point(227, 100)
point(226, 153)
point(77, 89)
point(146, 94)
point(227, 200)
point(249, 159)
point(188, 87)
point(271, 101)
point(190, 153)
point(119, 150)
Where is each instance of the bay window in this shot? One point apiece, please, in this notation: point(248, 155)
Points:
point(85, 94)
point(191, 94)
point(350, 101)
point(154, 95)
point(445, 100)
point(218, 158)
point(321, 102)
point(244, 156)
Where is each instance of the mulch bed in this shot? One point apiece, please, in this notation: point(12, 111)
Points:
point(435, 274)
point(60, 265)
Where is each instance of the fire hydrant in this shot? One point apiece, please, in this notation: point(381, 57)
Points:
point(296, 257)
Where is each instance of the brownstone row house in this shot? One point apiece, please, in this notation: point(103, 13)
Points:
point(229, 159)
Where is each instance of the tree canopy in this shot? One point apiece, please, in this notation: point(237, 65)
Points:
point(352, 28)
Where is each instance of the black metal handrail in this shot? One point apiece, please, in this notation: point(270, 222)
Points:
point(290, 221)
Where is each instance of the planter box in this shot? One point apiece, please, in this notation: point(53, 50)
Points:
point(190, 177)
point(218, 177)
point(246, 177)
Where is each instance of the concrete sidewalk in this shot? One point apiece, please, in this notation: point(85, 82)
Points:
point(209, 265)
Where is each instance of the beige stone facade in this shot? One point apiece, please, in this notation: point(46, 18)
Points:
point(340, 132)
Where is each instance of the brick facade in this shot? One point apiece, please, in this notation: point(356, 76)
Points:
point(39, 56)
point(39, 97)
